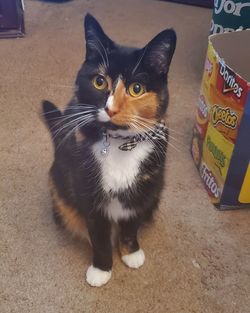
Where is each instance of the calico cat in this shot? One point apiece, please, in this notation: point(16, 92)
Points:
point(110, 145)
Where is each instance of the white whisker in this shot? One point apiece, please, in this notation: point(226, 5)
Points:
point(139, 61)
point(79, 125)
point(71, 123)
point(92, 44)
point(105, 52)
point(162, 137)
point(68, 118)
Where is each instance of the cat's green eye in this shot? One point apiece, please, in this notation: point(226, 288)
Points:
point(136, 89)
point(100, 82)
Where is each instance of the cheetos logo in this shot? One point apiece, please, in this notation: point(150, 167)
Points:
point(224, 116)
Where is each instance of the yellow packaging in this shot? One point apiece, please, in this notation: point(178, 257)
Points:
point(244, 196)
point(221, 138)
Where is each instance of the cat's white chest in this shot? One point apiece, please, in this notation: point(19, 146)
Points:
point(120, 168)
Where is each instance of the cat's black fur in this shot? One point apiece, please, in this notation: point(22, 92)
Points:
point(76, 174)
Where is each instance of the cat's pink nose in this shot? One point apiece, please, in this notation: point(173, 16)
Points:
point(110, 113)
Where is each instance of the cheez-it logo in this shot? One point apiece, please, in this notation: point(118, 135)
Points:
point(230, 82)
point(224, 116)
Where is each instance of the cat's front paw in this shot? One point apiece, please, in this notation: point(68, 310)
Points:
point(135, 259)
point(96, 277)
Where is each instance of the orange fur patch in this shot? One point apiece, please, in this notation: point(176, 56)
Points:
point(124, 249)
point(69, 215)
point(146, 177)
point(79, 136)
point(128, 107)
point(109, 80)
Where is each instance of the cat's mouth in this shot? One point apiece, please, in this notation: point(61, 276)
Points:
point(110, 122)
point(112, 126)
point(136, 124)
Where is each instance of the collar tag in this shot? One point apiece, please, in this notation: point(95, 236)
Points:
point(128, 146)
point(105, 144)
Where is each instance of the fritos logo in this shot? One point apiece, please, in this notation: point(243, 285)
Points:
point(230, 82)
point(224, 116)
point(210, 181)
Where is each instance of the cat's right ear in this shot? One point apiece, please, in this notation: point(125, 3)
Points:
point(98, 44)
point(159, 51)
point(51, 115)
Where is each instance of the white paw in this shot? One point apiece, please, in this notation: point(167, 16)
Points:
point(135, 259)
point(96, 277)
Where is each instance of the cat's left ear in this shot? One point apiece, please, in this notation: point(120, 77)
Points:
point(98, 44)
point(159, 51)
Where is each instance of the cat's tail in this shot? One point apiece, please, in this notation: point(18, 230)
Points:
point(52, 117)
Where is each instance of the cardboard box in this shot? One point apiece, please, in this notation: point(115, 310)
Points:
point(221, 138)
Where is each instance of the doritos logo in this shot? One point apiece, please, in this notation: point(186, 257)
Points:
point(231, 84)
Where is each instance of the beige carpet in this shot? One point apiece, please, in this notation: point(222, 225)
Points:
point(197, 259)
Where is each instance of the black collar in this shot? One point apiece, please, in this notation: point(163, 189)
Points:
point(158, 132)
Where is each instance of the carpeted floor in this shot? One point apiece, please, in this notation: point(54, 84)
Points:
point(197, 259)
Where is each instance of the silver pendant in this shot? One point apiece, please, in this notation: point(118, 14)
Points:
point(105, 144)
point(104, 151)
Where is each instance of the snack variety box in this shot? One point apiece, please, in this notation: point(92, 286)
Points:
point(221, 137)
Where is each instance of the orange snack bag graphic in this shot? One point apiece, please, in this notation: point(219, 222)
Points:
point(225, 119)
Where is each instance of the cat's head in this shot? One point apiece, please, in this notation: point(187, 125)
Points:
point(126, 86)
point(117, 87)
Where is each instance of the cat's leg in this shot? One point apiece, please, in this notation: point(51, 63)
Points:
point(99, 273)
point(131, 253)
